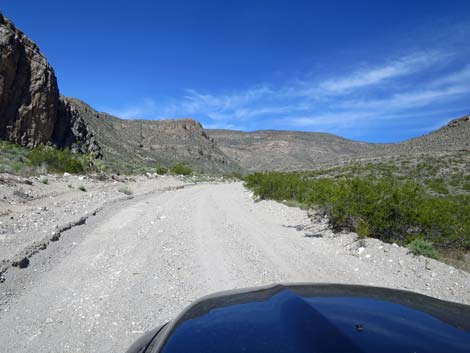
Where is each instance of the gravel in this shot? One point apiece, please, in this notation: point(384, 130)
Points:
point(139, 262)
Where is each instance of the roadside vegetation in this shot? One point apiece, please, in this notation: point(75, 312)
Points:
point(424, 205)
point(19, 160)
point(180, 169)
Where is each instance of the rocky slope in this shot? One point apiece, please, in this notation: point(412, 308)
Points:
point(285, 150)
point(454, 136)
point(290, 150)
point(131, 144)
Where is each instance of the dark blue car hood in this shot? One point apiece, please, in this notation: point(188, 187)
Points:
point(318, 318)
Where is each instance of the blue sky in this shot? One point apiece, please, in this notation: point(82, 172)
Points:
point(376, 71)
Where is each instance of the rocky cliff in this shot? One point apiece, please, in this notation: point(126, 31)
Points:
point(29, 96)
point(32, 112)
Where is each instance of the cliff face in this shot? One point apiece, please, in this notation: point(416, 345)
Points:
point(136, 143)
point(32, 112)
point(29, 96)
point(72, 130)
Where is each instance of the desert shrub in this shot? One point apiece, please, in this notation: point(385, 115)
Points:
point(423, 247)
point(45, 181)
point(362, 228)
point(161, 170)
point(56, 160)
point(389, 208)
point(125, 190)
point(181, 169)
point(437, 185)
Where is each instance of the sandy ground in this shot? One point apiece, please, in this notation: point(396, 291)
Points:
point(138, 262)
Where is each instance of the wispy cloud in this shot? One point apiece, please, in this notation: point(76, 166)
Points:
point(376, 75)
point(145, 108)
point(393, 89)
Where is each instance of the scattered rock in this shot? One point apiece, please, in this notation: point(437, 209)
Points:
point(23, 263)
point(427, 265)
point(55, 236)
point(311, 234)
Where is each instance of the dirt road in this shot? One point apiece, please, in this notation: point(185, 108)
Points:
point(139, 262)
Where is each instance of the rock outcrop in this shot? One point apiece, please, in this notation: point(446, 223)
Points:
point(132, 144)
point(457, 122)
point(72, 130)
point(29, 95)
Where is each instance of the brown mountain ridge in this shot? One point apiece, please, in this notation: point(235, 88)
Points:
point(32, 112)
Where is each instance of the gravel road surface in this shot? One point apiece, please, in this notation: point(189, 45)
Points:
point(139, 262)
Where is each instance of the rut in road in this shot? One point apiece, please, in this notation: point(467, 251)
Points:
point(142, 261)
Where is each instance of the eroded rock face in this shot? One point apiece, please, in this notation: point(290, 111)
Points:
point(29, 94)
point(72, 130)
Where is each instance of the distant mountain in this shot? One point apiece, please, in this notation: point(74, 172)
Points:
point(290, 150)
point(32, 112)
point(285, 150)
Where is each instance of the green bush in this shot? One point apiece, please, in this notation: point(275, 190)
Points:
point(390, 208)
point(423, 247)
point(181, 169)
point(437, 185)
point(162, 170)
point(56, 160)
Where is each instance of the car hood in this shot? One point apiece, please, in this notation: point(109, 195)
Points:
point(318, 318)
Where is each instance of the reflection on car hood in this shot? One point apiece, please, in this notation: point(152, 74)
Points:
point(319, 319)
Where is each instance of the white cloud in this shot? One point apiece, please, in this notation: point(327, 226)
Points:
point(376, 75)
point(460, 77)
point(410, 99)
point(144, 109)
point(339, 101)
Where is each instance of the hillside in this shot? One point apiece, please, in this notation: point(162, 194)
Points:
point(291, 150)
point(454, 136)
point(285, 150)
point(133, 144)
